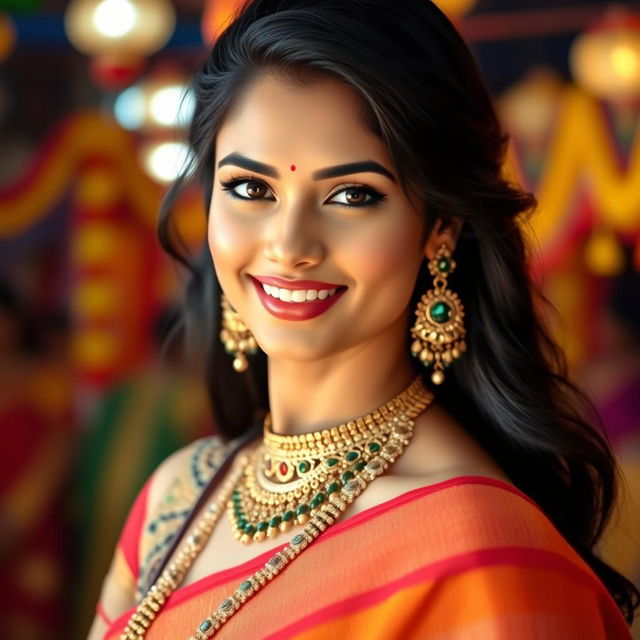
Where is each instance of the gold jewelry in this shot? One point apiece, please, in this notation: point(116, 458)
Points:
point(439, 329)
point(237, 339)
point(320, 520)
point(289, 477)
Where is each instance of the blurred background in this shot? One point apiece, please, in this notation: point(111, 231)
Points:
point(93, 108)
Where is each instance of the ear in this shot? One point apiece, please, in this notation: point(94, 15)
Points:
point(446, 230)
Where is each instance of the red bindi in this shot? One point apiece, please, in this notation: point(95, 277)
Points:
point(293, 167)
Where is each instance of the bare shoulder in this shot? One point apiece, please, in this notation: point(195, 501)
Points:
point(174, 490)
point(189, 466)
point(441, 449)
point(173, 487)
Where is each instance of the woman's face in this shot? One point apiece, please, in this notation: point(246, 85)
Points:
point(304, 193)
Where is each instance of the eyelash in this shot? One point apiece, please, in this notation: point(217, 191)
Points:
point(230, 184)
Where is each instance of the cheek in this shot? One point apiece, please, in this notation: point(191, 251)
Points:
point(230, 242)
point(390, 253)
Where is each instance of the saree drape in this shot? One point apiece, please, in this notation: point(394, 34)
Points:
point(471, 557)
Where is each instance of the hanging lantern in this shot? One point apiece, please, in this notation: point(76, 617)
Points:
point(133, 28)
point(605, 59)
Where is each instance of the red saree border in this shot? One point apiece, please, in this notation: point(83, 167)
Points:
point(523, 556)
point(250, 566)
point(129, 540)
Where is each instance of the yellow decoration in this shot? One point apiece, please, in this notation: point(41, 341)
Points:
point(567, 288)
point(89, 135)
point(575, 159)
point(96, 349)
point(98, 188)
point(603, 254)
point(7, 36)
point(95, 297)
point(95, 242)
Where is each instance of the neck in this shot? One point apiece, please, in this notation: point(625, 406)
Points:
point(310, 396)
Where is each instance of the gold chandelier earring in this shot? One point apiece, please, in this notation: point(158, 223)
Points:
point(439, 330)
point(236, 337)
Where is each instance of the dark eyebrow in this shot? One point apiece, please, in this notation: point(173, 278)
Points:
point(239, 160)
point(351, 167)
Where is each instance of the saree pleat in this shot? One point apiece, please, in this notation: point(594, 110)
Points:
point(470, 557)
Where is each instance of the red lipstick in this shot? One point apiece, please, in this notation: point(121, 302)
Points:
point(296, 310)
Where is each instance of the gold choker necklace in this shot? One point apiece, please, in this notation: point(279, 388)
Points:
point(290, 476)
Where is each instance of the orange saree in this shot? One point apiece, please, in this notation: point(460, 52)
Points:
point(469, 557)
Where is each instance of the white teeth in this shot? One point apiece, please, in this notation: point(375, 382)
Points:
point(298, 295)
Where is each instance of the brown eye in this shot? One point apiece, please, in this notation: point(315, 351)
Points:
point(355, 196)
point(245, 189)
point(255, 189)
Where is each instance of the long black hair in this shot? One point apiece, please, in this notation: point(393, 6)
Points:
point(425, 98)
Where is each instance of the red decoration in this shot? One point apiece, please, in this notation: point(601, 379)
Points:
point(111, 73)
point(615, 18)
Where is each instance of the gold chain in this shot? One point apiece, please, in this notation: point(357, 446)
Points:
point(289, 476)
point(320, 518)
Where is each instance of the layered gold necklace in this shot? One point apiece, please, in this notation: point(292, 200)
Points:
point(305, 479)
point(290, 476)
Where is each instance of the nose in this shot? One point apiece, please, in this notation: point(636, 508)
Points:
point(293, 241)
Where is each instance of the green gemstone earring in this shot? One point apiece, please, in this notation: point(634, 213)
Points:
point(439, 330)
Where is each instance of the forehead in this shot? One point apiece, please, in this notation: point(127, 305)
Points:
point(323, 118)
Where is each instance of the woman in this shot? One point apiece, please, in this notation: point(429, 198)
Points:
point(347, 150)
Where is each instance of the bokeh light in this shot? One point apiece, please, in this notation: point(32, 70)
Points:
point(115, 18)
point(129, 108)
point(164, 161)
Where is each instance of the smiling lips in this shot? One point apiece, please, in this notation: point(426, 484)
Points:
point(296, 299)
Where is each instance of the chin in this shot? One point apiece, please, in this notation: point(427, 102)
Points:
point(296, 351)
